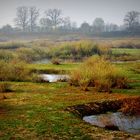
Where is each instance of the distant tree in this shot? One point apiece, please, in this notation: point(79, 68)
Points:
point(111, 27)
point(98, 25)
point(16, 29)
point(21, 19)
point(85, 27)
point(46, 24)
point(122, 27)
point(33, 16)
point(66, 23)
point(114, 27)
point(74, 26)
point(54, 16)
point(7, 28)
point(131, 20)
point(107, 28)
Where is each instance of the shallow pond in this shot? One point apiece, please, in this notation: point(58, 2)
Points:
point(54, 77)
point(115, 121)
point(43, 61)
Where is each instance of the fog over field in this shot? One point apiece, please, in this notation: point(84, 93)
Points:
point(78, 10)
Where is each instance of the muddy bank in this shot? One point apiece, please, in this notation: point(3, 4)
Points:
point(95, 108)
point(116, 115)
point(128, 106)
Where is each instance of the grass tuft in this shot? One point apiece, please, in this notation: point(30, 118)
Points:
point(98, 73)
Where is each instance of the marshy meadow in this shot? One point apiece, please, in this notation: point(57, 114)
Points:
point(70, 70)
point(47, 88)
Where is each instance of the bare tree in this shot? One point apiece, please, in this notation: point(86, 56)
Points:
point(131, 20)
point(22, 17)
point(33, 16)
point(66, 23)
point(54, 15)
point(45, 24)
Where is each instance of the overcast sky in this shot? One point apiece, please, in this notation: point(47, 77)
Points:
point(78, 10)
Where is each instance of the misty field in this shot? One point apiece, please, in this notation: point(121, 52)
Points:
point(69, 70)
point(99, 71)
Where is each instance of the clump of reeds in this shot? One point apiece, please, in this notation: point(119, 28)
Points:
point(55, 61)
point(131, 106)
point(4, 87)
point(99, 73)
point(15, 71)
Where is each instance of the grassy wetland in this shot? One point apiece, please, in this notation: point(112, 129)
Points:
point(99, 71)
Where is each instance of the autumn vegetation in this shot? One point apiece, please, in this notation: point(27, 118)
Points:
point(33, 109)
point(99, 73)
point(131, 106)
point(16, 71)
point(5, 87)
point(101, 63)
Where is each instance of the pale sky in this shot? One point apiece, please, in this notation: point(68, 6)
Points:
point(78, 10)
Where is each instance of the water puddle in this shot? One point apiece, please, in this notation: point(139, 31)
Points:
point(43, 61)
point(54, 77)
point(115, 121)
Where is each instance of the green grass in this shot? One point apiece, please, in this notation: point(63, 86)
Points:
point(122, 54)
point(36, 111)
point(64, 67)
point(133, 76)
point(126, 51)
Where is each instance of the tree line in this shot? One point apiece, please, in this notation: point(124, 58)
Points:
point(28, 20)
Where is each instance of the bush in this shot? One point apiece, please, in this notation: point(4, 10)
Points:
point(77, 50)
point(15, 71)
point(4, 87)
point(55, 61)
point(30, 54)
point(131, 106)
point(11, 45)
point(98, 73)
point(6, 55)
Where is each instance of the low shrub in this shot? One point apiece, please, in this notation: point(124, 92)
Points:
point(99, 73)
point(55, 61)
point(31, 54)
point(6, 55)
point(131, 106)
point(15, 71)
point(78, 49)
point(11, 45)
point(4, 87)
